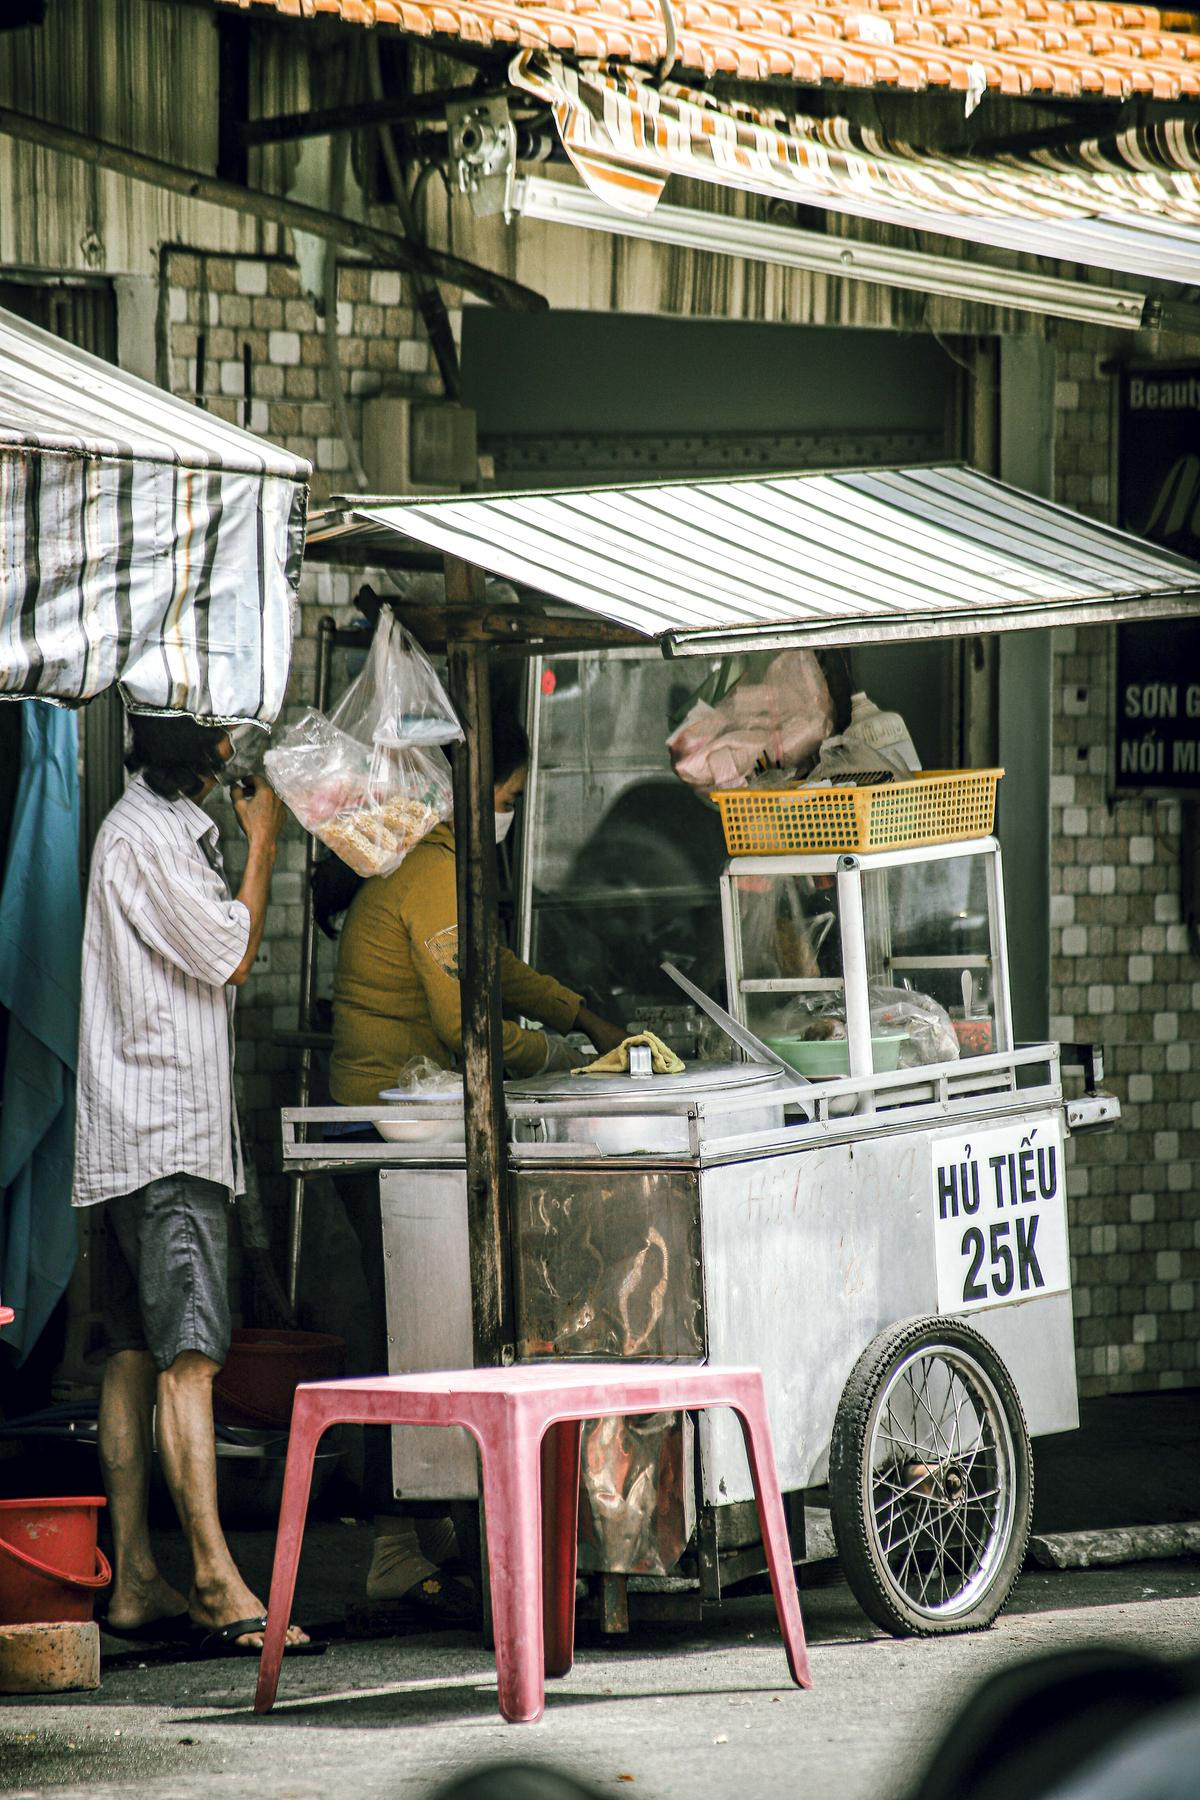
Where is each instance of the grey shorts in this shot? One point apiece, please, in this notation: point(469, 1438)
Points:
point(166, 1269)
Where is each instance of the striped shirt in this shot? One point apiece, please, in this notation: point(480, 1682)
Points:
point(161, 939)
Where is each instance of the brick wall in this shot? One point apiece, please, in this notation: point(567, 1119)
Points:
point(225, 314)
point(1121, 970)
point(217, 314)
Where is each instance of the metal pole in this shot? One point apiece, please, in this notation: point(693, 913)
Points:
point(854, 972)
point(308, 979)
point(392, 249)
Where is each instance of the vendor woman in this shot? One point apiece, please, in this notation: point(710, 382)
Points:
point(393, 1000)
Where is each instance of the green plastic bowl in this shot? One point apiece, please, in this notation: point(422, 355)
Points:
point(827, 1057)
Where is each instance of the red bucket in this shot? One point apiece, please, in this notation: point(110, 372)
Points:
point(51, 1567)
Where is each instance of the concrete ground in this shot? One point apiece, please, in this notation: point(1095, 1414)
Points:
point(673, 1711)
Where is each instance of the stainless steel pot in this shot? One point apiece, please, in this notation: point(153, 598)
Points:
point(618, 1113)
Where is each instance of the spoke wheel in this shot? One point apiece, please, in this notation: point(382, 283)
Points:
point(930, 1480)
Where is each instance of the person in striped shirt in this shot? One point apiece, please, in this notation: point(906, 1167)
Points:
point(165, 947)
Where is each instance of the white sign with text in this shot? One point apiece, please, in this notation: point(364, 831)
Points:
point(1000, 1215)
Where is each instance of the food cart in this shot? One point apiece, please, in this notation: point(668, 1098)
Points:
point(885, 1237)
point(888, 1242)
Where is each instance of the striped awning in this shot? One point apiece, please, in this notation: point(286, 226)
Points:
point(820, 559)
point(143, 542)
point(1131, 203)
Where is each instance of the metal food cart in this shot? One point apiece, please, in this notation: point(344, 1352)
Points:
point(868, 1236)
point(889, 1244)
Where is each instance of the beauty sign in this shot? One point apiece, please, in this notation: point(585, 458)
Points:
point(1000, 1216)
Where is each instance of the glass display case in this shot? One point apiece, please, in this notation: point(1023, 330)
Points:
point(859, 965)
point(618, 862)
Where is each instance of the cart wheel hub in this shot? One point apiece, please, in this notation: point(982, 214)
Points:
point(954, 1484)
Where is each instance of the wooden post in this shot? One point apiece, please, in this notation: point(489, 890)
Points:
point(479, 978)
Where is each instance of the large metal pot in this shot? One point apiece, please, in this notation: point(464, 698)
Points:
point(618, 1113)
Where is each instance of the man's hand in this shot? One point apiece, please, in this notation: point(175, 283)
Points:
point(259, 809)
point(604, 1036)
point(260, 814)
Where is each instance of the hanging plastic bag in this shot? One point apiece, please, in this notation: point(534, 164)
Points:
point(397, 699)
point(930, 1035)
point(368, 803)
point(370, 781)
point(780, 718)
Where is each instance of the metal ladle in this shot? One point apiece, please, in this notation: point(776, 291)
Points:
point(741, 1034)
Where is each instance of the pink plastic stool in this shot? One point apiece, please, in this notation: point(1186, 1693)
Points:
point(526, 1422)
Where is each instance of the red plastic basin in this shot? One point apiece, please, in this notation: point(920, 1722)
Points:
point(262, 1370)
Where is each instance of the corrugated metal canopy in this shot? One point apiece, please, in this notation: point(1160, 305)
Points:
point(143, 542)
point(805, 559)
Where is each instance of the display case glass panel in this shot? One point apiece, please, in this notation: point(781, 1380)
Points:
point(790, 958)
point(930, 929)
point(621, 863)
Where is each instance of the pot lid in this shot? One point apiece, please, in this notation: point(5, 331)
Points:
point(697, 1079)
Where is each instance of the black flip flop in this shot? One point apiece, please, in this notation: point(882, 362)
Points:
point(224, 1641)
point(448, 1604)
point(171, 1628)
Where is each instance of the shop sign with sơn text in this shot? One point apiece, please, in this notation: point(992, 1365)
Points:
point(1157, 685)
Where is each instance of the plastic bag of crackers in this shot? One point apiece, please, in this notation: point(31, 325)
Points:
point(369, 804)
point(370, 780)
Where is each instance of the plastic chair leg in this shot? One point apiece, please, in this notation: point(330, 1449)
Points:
point(751, 1411)
point(560, 1542)
point(307, 1426)
point(512, 1500)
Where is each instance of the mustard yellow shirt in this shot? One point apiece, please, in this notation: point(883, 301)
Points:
point(392, 1001)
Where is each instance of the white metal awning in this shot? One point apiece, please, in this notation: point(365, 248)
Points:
point(143, 542)
point(821, 559)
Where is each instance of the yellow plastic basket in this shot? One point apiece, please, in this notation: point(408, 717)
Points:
point(932, 808)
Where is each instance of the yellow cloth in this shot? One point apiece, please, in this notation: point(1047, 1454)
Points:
point(392, 1001)
point(663, 1060)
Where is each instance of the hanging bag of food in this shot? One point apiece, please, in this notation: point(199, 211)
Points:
point(371, 779)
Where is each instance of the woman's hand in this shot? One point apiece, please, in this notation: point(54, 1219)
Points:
point(604, 1036)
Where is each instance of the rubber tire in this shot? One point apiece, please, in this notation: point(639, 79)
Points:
point(850, 1485)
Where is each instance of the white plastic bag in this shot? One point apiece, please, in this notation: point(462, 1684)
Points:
point(397, 698)
point(368, 803)
point(780, 718)
point(931, 1037)
point(421, 1078)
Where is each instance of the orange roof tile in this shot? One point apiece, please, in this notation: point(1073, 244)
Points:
point(1068, 48)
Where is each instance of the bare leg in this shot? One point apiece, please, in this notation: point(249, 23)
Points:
point(187, 1445)
point(139, 1593)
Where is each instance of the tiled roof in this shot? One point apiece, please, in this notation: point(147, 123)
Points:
point(1066, 48)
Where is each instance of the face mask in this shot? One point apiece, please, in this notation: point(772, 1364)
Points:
point(503, 825)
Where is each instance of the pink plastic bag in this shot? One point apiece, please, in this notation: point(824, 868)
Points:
point(781, 719)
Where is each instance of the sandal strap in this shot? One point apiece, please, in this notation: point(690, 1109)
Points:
point(229, 1634)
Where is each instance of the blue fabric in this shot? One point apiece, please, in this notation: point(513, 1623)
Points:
point(41, 940)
